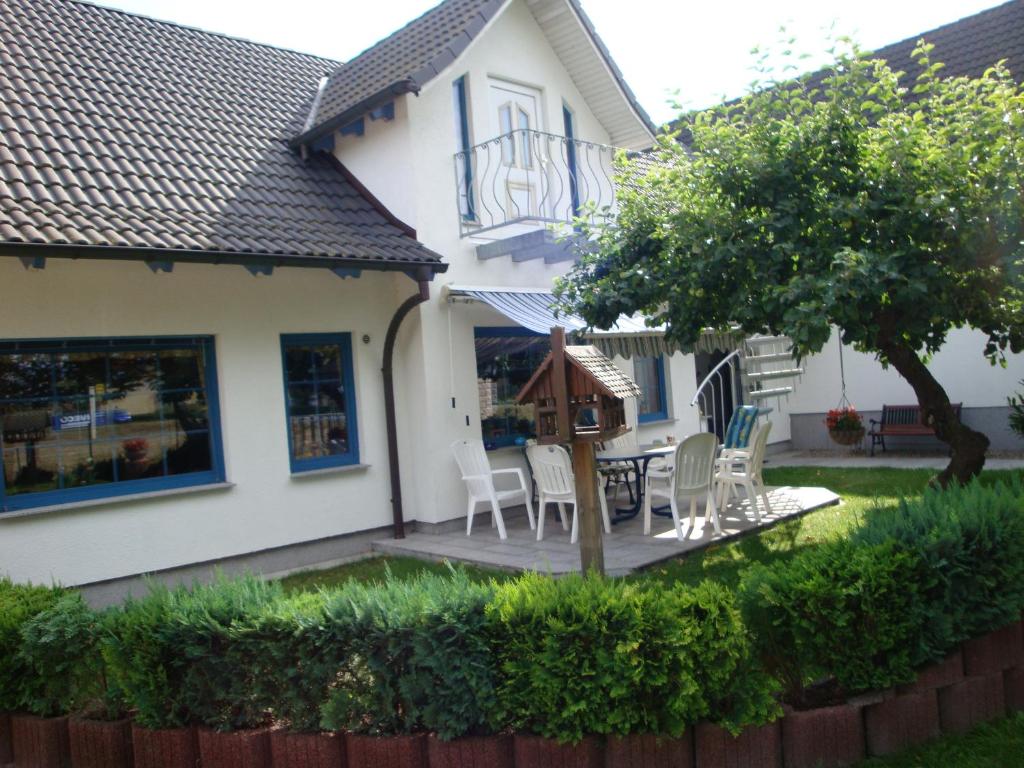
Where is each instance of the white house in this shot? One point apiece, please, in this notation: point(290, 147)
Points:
point(213, 248)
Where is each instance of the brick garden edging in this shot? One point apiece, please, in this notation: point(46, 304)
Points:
point(6, 741)
point(981, 682)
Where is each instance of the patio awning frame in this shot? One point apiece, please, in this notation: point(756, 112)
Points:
point(531, 308)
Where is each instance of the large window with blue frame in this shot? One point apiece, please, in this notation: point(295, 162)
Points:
point(505, 360)
point(650, 377)
point(321, 400)
point(85, 419)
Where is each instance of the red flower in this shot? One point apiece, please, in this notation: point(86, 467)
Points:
point(843, 420)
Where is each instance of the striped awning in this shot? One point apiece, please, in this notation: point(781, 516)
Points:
point(534, 309)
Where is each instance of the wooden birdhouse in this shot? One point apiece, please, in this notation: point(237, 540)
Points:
point(577, 394)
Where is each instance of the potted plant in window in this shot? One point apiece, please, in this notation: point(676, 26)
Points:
point(136, 458)
point(845, 425)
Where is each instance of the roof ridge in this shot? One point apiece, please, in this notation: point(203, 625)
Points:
point(193, 28)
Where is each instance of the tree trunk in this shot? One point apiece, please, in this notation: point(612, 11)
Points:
point(967, 445)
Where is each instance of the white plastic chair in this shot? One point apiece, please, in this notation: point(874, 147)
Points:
point(479, 478)
point(552, 471)
point(690, 471)
point(743, 468)
point(619, 473)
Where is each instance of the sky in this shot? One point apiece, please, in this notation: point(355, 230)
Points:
point(699, 49)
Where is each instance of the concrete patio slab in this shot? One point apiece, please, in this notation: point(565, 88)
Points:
point(625, 550)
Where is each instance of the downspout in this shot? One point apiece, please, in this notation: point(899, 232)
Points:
point(389, 398)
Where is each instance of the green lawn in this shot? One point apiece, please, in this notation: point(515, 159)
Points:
point(999, 745)
point(377, 569)
point(862, 491)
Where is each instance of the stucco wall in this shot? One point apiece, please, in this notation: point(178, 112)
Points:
point(408, 164)
point(267, 507)
point(959, 366)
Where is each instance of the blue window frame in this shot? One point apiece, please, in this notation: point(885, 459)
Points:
point(320, 400)
point(570, 159)
point(464, 165)
point(506, 357)
point(650, 376)
point(86, 419)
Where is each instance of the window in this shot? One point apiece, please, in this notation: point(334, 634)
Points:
point(320, 400)
point(524, 137)
point(570, 159)
point(464, 163)
point(505, 360)
point(508, 144)
point(84, 419)
point(650, 376)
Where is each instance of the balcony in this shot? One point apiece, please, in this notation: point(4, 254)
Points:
point(520, 179)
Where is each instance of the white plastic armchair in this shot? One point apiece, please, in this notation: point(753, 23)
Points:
point(479, 478)
point(745, 468)
point(689, 471)
point(552, 471)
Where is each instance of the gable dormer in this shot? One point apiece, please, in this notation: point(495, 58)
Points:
point(407, 60)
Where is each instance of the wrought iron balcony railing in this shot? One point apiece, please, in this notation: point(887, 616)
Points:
point(530, 176)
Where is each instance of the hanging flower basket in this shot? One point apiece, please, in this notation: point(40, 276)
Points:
point(845, 426)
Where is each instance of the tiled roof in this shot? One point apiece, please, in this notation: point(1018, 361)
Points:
point(408, 59)
point(968, 46)
point(403, 62)
point(597, 364)
point(122, 135)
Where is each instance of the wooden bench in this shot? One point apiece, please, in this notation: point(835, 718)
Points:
point(902, 421)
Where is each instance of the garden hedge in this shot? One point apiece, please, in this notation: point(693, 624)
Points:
point(560, 658)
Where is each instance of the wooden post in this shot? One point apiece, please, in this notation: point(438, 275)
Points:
point(584, 467)
point(558, 382)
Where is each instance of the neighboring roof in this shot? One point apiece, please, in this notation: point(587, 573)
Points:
point(414, 55)
point(122, 136)
point(968, 46)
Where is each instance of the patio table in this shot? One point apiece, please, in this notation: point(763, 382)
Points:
point(640, 460)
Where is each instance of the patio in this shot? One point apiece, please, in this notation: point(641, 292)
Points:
point(625, 550)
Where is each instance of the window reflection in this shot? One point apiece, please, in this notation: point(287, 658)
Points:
point(320, 423)
point(88, 415)
point(505, 360)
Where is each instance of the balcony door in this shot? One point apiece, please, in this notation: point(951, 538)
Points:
point(515, 112)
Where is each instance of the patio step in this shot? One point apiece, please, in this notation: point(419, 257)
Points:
point(771, 357)
point(762, 394)
point(784, 373)
point(761, 340)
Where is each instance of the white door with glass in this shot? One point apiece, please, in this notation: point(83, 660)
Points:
point(515, 111)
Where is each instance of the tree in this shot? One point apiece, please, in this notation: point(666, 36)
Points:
point(843, 200)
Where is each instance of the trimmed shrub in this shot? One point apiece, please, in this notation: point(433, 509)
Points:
point(970, 540)
point(840, 610)
point(63, 669)
point(583, 655)
point(418, 657)
point(294, 658)
point(173, 654)
point(18, 603)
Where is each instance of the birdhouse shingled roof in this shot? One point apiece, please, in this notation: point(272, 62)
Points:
point(598, 365)
point(595, 364)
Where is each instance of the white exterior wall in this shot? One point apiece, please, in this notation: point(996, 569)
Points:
point(267, 507)
point(960, 366)
point(440, 338)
